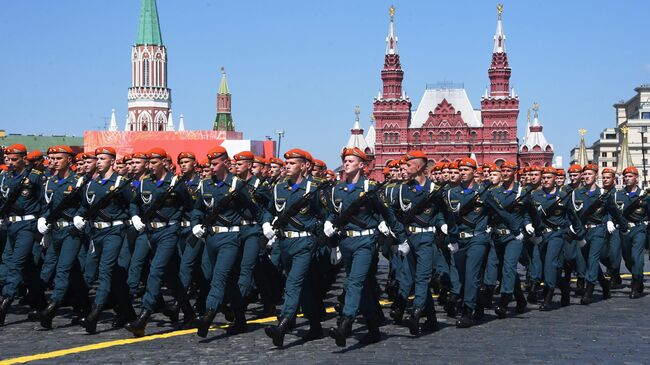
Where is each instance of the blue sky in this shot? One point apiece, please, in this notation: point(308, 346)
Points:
point(302, 66)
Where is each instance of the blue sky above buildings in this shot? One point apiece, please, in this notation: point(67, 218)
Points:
point(302, 66)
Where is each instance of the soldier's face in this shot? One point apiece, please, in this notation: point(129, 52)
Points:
point(80, 166)
point(138, 166)
point(15, 161)
point(129, 166)
point(294, 167)
point(104, 162)
point(560, 179)
point(219, 166)
point(352, 165)
point(507, 174)
point(402, 172)
point(630, 180)
point(414, 167)
point(445, 175)
point(90, 165)
point(242, 168)
point(609, 180)
point(535, 177)
point(575, 177)
point(275, 170)
point(589, 177)
point(466, 174)
point(206, 172)
point(454, 176)
point(156, 165)
point(548, 181)
point(187, 165)
point(257, 168)
point(495, 177)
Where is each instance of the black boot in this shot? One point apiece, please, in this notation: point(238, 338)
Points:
point(340, 333)
point(616, 281)
point(452, 305)
point(466, 320)
point(488, 293)
point(532, 293)
point(431, 323)
point(637, 287)
point(413, 321)
point(204, 322)
point(227, 312)
point(587, 297)
point(239, 324)
point(548, 299)
point(520, 299)
point(397, 313)
point(606, 286)
point(171, 311)
point(442, 297)
point(580, 287)
point(189, 317)
point(276, 333)
point(5, 303)
point(565, 291)
point(46, 315)
point(137, 327)
point(373, 335)
point(315, 331)
point(501, 309)
point(90, 321)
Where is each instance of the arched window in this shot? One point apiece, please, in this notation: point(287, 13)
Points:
point(386, 137)
point(472, 137)
point(145, 66)
point(458, 136)
point(430, 137)
point(416, 138)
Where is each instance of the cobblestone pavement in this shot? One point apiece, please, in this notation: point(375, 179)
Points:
point(611, 331)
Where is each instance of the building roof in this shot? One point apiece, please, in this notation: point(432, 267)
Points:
point(371, 137)
point(457, 97)
point(223, 86)
point(356, 136)
point(223, 122)
point(534, 135)
point(149, 27)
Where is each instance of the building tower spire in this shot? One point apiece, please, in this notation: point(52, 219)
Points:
point(223, 121)
point(583, 158)
point(356, 137)
point(392, 74)
point(499, 71)
point(624, 155)
point(181, 124)
point(499, 37)
point(149, 99)
point(113, 126)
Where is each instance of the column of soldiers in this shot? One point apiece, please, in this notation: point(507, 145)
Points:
point(97, 233)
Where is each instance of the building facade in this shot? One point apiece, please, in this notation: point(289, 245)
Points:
point(444, 124)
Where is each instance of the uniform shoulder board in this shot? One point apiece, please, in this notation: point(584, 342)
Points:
point(372, 182)
point(319, 180)
point(37, 172)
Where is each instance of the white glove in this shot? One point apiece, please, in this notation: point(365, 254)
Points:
point(581, 243)
point(335, 256)
point(328, 229)
point(530, 229)
point(270, 242)
point(571, 229)
point(383, 228)
point(79, 222)
point(610, 227)
point(519, 237)
point(444, 228)
point(198, 231)
point(404, 249)
point(268, 230)
point(42, 226)
point(453, 247)
point(488, 230)
point(137, 223)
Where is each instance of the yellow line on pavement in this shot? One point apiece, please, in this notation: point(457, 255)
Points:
point(129, 341)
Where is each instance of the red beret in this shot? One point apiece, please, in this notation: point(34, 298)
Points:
point(186, 154)
point(295, 153)
point(4, 168)
point(608, 170)
point(453, 165)
point(16, 149)
point(393, 163)
point(127, 157)
point(537, 168)
point(355, 151)
point(560, 171)
point(244, 156)
point(631, 170)
point(320, 163)
point(259, 159)
point(35, 156)
point(385, 171)
point(468, 162)
point(575, 168)
point(521, 171)
point(275, 161)
point(411, 155)
point(445, 166)
point(60, 149)
point(157, 153)
point(509, 165)
point(105, 151)
point(140, 155)
point(308, 156)
point(216, 152)
point(330, 172)
point(550, 170)
point(590, 166)
point(205, 163)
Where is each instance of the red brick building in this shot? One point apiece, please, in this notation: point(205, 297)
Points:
point(445, 125)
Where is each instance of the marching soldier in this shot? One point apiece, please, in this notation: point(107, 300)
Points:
point(21, 190)
point(611, 256)
point(634, 204)
point(104, 206)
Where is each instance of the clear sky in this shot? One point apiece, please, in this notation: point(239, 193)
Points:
point(302, 66)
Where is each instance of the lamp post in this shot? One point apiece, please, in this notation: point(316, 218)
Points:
point(644, 130)
point(280, 134)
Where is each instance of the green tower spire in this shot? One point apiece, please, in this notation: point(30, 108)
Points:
point(223, 121)
point(149, 27)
